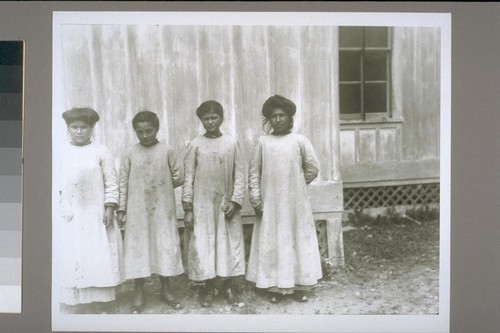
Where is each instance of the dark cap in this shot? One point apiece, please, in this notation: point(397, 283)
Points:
point(278, 102)
point(86, 115)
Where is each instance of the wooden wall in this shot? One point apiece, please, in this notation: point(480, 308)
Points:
point(405, 147)
point(120, 70)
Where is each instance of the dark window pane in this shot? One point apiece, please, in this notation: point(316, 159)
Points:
point(375, 66)
point(351, 37)
point(11, 53)
point(350, 98)
point(376, 36)
point(375, 97)
point(350, 66)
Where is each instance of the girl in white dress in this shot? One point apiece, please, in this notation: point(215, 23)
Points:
point(284, 255)
point(87, 238)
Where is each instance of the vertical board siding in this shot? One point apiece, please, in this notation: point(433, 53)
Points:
point(417, 54)
point(120, 70)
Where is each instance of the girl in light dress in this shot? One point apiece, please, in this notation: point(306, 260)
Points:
point(87, 237)
point(149, 173)
point(212, 197)
point(284, 256)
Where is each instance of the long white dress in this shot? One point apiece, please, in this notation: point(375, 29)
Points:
point(214, 175)
point(148, 176)
point(284, 252)
point(87, 254)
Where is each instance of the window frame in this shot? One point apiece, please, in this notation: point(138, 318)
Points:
point(388, 51)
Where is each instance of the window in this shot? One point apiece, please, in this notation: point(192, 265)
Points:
point(364, 72)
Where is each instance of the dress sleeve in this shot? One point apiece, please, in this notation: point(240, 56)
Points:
point(110, 180)
point(309, 160)
point(255, 174)
point(189, 170)
point(239, 176)
point(124, 175)
point(176, 170)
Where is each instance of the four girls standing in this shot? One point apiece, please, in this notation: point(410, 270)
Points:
point(284, 256)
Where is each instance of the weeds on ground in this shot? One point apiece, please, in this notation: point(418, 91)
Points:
point(389, 239)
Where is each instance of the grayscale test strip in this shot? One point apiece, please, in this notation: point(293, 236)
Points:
point(11, 101)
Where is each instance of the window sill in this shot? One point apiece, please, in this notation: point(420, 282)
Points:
point(371, 119)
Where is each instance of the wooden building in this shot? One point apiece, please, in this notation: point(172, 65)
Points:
point(120, 70)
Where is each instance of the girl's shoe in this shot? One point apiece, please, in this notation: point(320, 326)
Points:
point(273, 298)
point(168, 298)
point(165, 294)
point(206, 297)
point(300, 297)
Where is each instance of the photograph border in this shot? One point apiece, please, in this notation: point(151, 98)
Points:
point(289, 323)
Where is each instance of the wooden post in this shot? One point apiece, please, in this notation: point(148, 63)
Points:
point(335, 241)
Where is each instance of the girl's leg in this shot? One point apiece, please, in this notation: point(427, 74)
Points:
point(230, 292)
point(206, 294)
point(139, 296)
point(166, 294)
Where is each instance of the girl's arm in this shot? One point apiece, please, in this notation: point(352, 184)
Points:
point(189, 170)
point(123, 186)
point(187, 188)
point(110, 186)
point(254, 177)
point(176, 170)
point(239, 177)
point(310, 163)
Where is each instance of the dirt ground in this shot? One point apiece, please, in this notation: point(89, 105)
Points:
point(390, 268)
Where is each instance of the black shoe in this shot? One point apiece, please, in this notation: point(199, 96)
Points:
point(300, 297)
point(169, 299)
point(206, 300)
point(273, 298)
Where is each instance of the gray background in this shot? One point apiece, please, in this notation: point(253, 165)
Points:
point(475, 158)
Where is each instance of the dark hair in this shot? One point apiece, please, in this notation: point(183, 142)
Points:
point(146, 116)
point(86, 115)
point(210, 106)
point(277, 102)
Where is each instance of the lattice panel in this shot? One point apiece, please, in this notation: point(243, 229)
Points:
point(389, 196)
point(322, 238)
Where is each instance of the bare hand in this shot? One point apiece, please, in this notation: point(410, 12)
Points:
point(119, 217)
point(231, 209)
point(258, 210)
point(188, 219)
point(108, 216)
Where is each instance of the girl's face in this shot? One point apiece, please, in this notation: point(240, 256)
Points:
point(280, 121)
point(211, 122)
point(146, 133)
point(79, 132)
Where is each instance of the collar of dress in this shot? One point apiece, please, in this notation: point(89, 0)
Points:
point(281, 134)
point(213, 135)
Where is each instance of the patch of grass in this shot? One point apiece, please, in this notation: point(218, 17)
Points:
point(381, 243)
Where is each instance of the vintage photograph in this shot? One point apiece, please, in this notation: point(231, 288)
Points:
point(253, 166)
